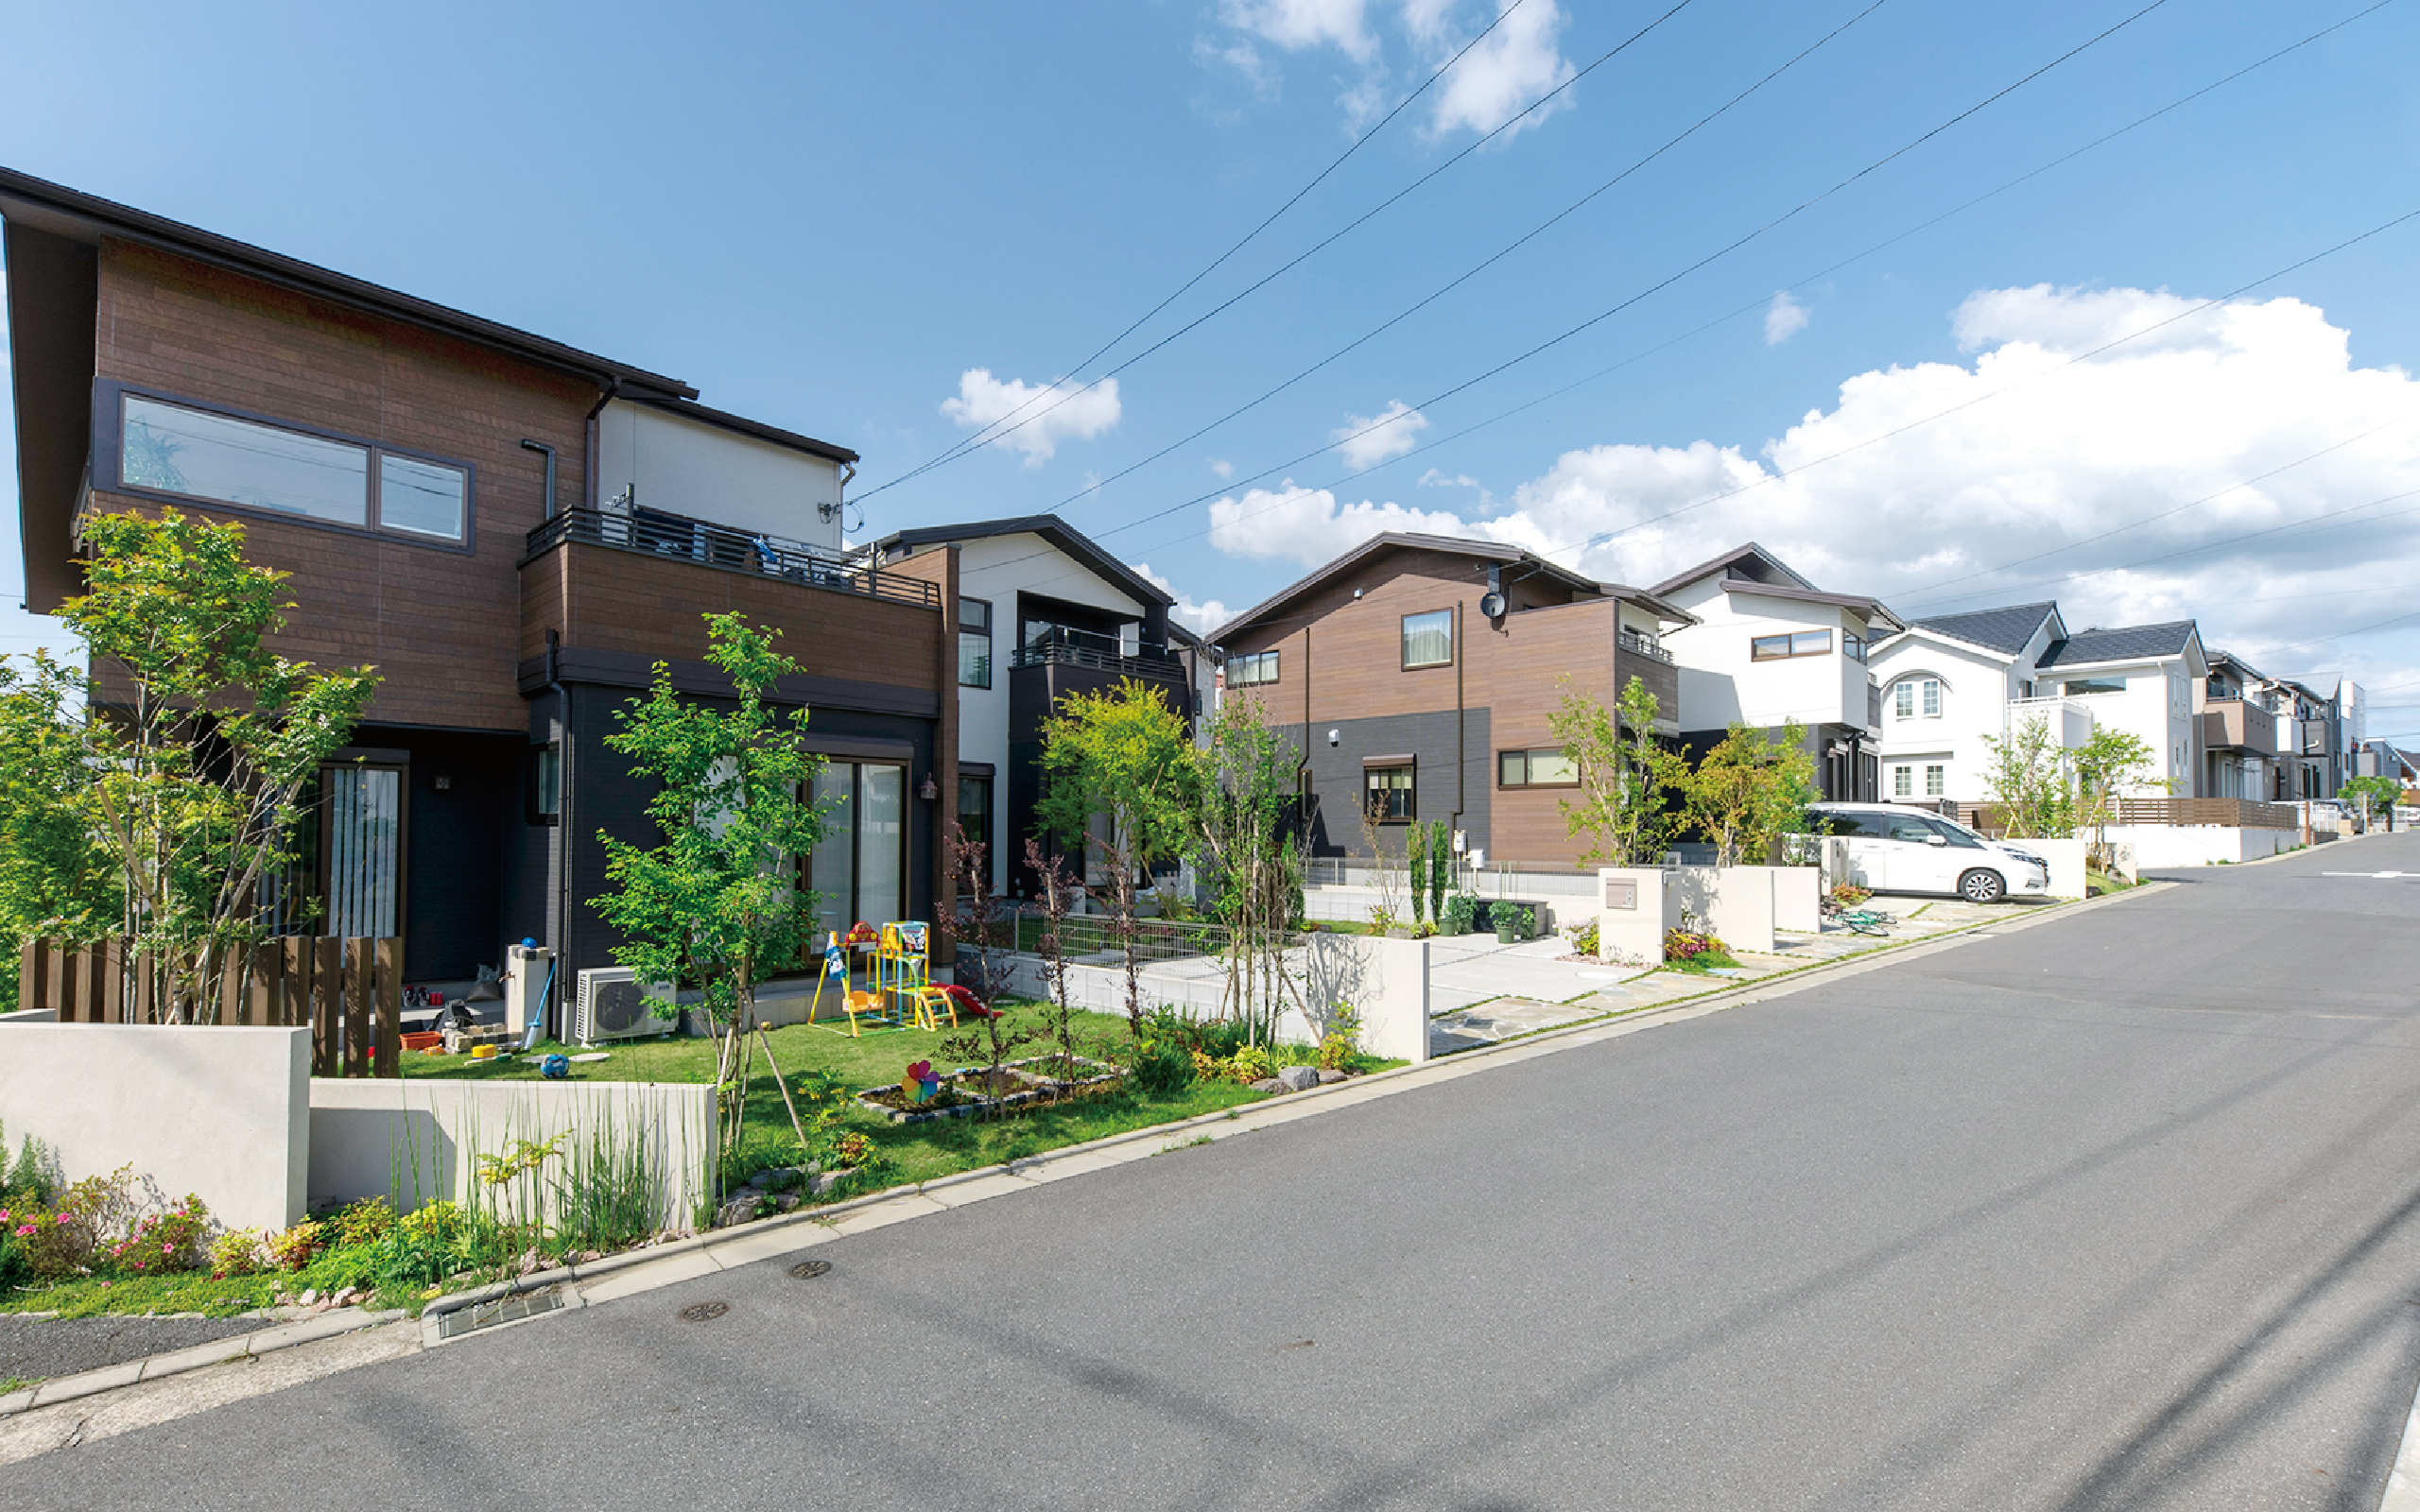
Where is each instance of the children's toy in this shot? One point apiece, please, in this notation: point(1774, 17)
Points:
point(903, 970)
point(922, 1084)
point(555, 1068)
point(968, 1003)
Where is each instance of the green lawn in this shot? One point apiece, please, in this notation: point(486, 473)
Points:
point(193, 1292)
point(913, 1152)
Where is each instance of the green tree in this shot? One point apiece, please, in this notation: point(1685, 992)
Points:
point(715, 902)
point(1750, 790)
point(1250, 858)
point(1441, 870)
point(2105, 766)
point(1416, 862)
point(201, 748)
point(57, 880)
point(1624, 773)
point(2032, 781)
point(2369, 797)
point(1126, 755)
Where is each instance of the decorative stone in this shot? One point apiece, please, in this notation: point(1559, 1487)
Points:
point(1299, 1078)
point(1268, 1084)
point(1329, 1078)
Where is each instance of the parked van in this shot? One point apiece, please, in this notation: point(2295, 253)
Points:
point(1893, 848)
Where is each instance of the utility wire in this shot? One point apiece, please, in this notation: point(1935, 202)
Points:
point(991, 433)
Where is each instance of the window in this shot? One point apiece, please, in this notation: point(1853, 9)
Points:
point(1252, 671)
point(1910, 829)
point(1909, 694)
point(1902, 701)
point(2079, 687)
point(1775, 648)
point(1389, 793)
point(1903, 782)
point(975, 811)
point(860, 870)
point(198, 454)
point(545, 805)
point(973, 643)
point(1933, 781)
point(364, 830)
point(1853, 646)
point(1428, 639)
point(1546, 768)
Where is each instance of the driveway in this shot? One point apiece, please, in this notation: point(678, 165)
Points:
point(2119, 1211)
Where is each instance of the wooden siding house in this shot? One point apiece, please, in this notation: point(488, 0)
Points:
point(510, 530)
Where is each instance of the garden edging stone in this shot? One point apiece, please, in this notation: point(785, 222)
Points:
point(178, 1362)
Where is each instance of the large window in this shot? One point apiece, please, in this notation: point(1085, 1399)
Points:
point(217, 458)
point(1933, 775)
point(1544, 767)
point(1428, 639)
point(545, 788)
point(1853, 648)
point(975, 811)
point(1776, 647)
point(1909, 694)
point(1903, 782)
point(1253, 670)
point(973, 643)
point(860, 870)
point(1390, 794)
point(2079, 687)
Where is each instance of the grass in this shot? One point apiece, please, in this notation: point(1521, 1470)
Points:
point(1702, 962)
point(909, 1152)
point(193, 1292)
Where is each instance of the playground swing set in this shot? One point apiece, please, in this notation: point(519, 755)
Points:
point(899, 992)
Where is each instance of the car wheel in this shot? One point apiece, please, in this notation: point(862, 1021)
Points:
point(1981, 886)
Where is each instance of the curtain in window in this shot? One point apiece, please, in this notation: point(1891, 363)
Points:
point(364, 851)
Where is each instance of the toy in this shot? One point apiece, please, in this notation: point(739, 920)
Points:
point(922, 1084)
point(555, 1068)
point(903, 969)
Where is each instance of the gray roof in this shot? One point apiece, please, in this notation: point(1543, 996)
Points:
point(2127, 643)
point(2005, 630)
point(1069, 540)
point(1456, 545)
point(1749, 558)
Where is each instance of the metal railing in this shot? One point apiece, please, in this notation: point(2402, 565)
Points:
point(1638, 644)
point(728, 548)
point(1104, 653)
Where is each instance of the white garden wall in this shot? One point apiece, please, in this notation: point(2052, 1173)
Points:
point(223, 1113)
point(2198, 845)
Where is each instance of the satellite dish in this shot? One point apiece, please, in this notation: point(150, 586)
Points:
point(1491, 603)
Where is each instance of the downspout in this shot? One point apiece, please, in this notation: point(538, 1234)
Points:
point(548, 453)
point(562, 829)
point(1461, 761)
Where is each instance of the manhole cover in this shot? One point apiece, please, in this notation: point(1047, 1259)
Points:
point(806, 1270)
point(704, 1312)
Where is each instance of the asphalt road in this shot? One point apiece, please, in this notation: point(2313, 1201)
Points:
point(2121, 1210)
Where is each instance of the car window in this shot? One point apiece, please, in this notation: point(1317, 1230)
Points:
point(1912, 829)
point(1957, 835)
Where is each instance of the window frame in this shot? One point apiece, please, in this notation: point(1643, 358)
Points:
point(1936, 779)
point(1403, 642)
point(1853, 646)
point(965, 781)
point(1236, 663)
point(1409, 789)
point(108, 461)
point(1929, 698)
point(990, 661)
point(1525, 755)
point(1789, 651)
point(1902, 779)
point(542, 801)
point(2082, 687)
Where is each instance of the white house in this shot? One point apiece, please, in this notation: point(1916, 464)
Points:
point(1950, 682)
point(1043, 611)
point(1770, 647)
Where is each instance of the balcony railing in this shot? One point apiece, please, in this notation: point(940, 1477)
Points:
point(2233, 723)
point(729, 548)
point(1637, 645)
point(1064, 647)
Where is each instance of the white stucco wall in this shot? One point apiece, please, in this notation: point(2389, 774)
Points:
point(689, 467)
point(1973, 700)
point(996, 569)
point(1720, 684)
point(223, 1113)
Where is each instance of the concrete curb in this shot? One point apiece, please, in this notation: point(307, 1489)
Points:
point(705, 1254)
point(177, 1362)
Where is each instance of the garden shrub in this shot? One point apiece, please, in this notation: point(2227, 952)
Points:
point(1461, 913)
point(1251, 1064)
point(293, 1249)
point(1162, 1069)
point(365, 1221)
point(162, 1243)
point(238, 1252)
point(1687, 945)
point(1584, 938)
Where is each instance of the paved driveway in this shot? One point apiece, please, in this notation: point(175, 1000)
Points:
point(2120, 1210)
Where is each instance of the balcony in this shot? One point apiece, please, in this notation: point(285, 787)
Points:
point(2070, 719)
point(1065, 647)
point(726, 548)
point(1637, 645)
point(2232, 724)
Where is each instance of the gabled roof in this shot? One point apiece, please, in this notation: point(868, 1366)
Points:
point(2127, 643)
point(2005, 630)
point(1069, 541)
point(1456, 546)
point(1872, 607)
point(2241, 667)
point(1750, 561)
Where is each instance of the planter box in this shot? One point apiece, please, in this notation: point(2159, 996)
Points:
point(1035, 1088)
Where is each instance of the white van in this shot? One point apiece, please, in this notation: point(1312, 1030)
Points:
point(1902, 849)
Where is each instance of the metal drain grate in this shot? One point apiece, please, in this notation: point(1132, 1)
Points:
point(806, 1270)
point(704, 1312)
point(503, 1310)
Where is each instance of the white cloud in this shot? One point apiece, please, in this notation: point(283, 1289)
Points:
point(1296, 24)
point(2064, 456)
point(1223, 468)
point(1040, 425)
point(1307, 525)
point(1201, 618)
point(1784, 319)
point(1506, 72)
point(1366, 440)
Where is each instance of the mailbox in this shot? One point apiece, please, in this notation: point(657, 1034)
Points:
point(1621, 892)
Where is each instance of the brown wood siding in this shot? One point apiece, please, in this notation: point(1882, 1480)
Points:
point(1515, 669)
point(443, 627)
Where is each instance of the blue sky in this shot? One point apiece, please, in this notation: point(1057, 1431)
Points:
point(842, 218)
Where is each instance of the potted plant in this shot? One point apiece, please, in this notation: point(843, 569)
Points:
point(1513, 923)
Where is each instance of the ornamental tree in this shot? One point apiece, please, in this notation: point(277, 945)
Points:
point(1751, 790)
point(1624, 773)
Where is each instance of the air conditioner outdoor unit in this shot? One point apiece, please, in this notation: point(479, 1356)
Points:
point(613, 1004)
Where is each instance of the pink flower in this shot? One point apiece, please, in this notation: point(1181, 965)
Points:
point(25, 1230)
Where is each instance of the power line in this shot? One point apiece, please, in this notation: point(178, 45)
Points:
point(987, 434)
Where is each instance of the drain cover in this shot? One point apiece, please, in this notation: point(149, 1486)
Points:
point(806, 1270)
point(704, 1312)
point(503, 1310)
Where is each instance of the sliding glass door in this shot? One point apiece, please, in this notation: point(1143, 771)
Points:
point(860, 870)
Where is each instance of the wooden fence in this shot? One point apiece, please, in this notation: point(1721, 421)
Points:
point(348, 992)
point(2233, 812)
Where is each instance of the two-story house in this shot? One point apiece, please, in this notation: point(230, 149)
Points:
point(2239, 731)
point(510, 530)
point(1952, 683)
point(1416, 676)
point(1043, 611)
point(1770, 647)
